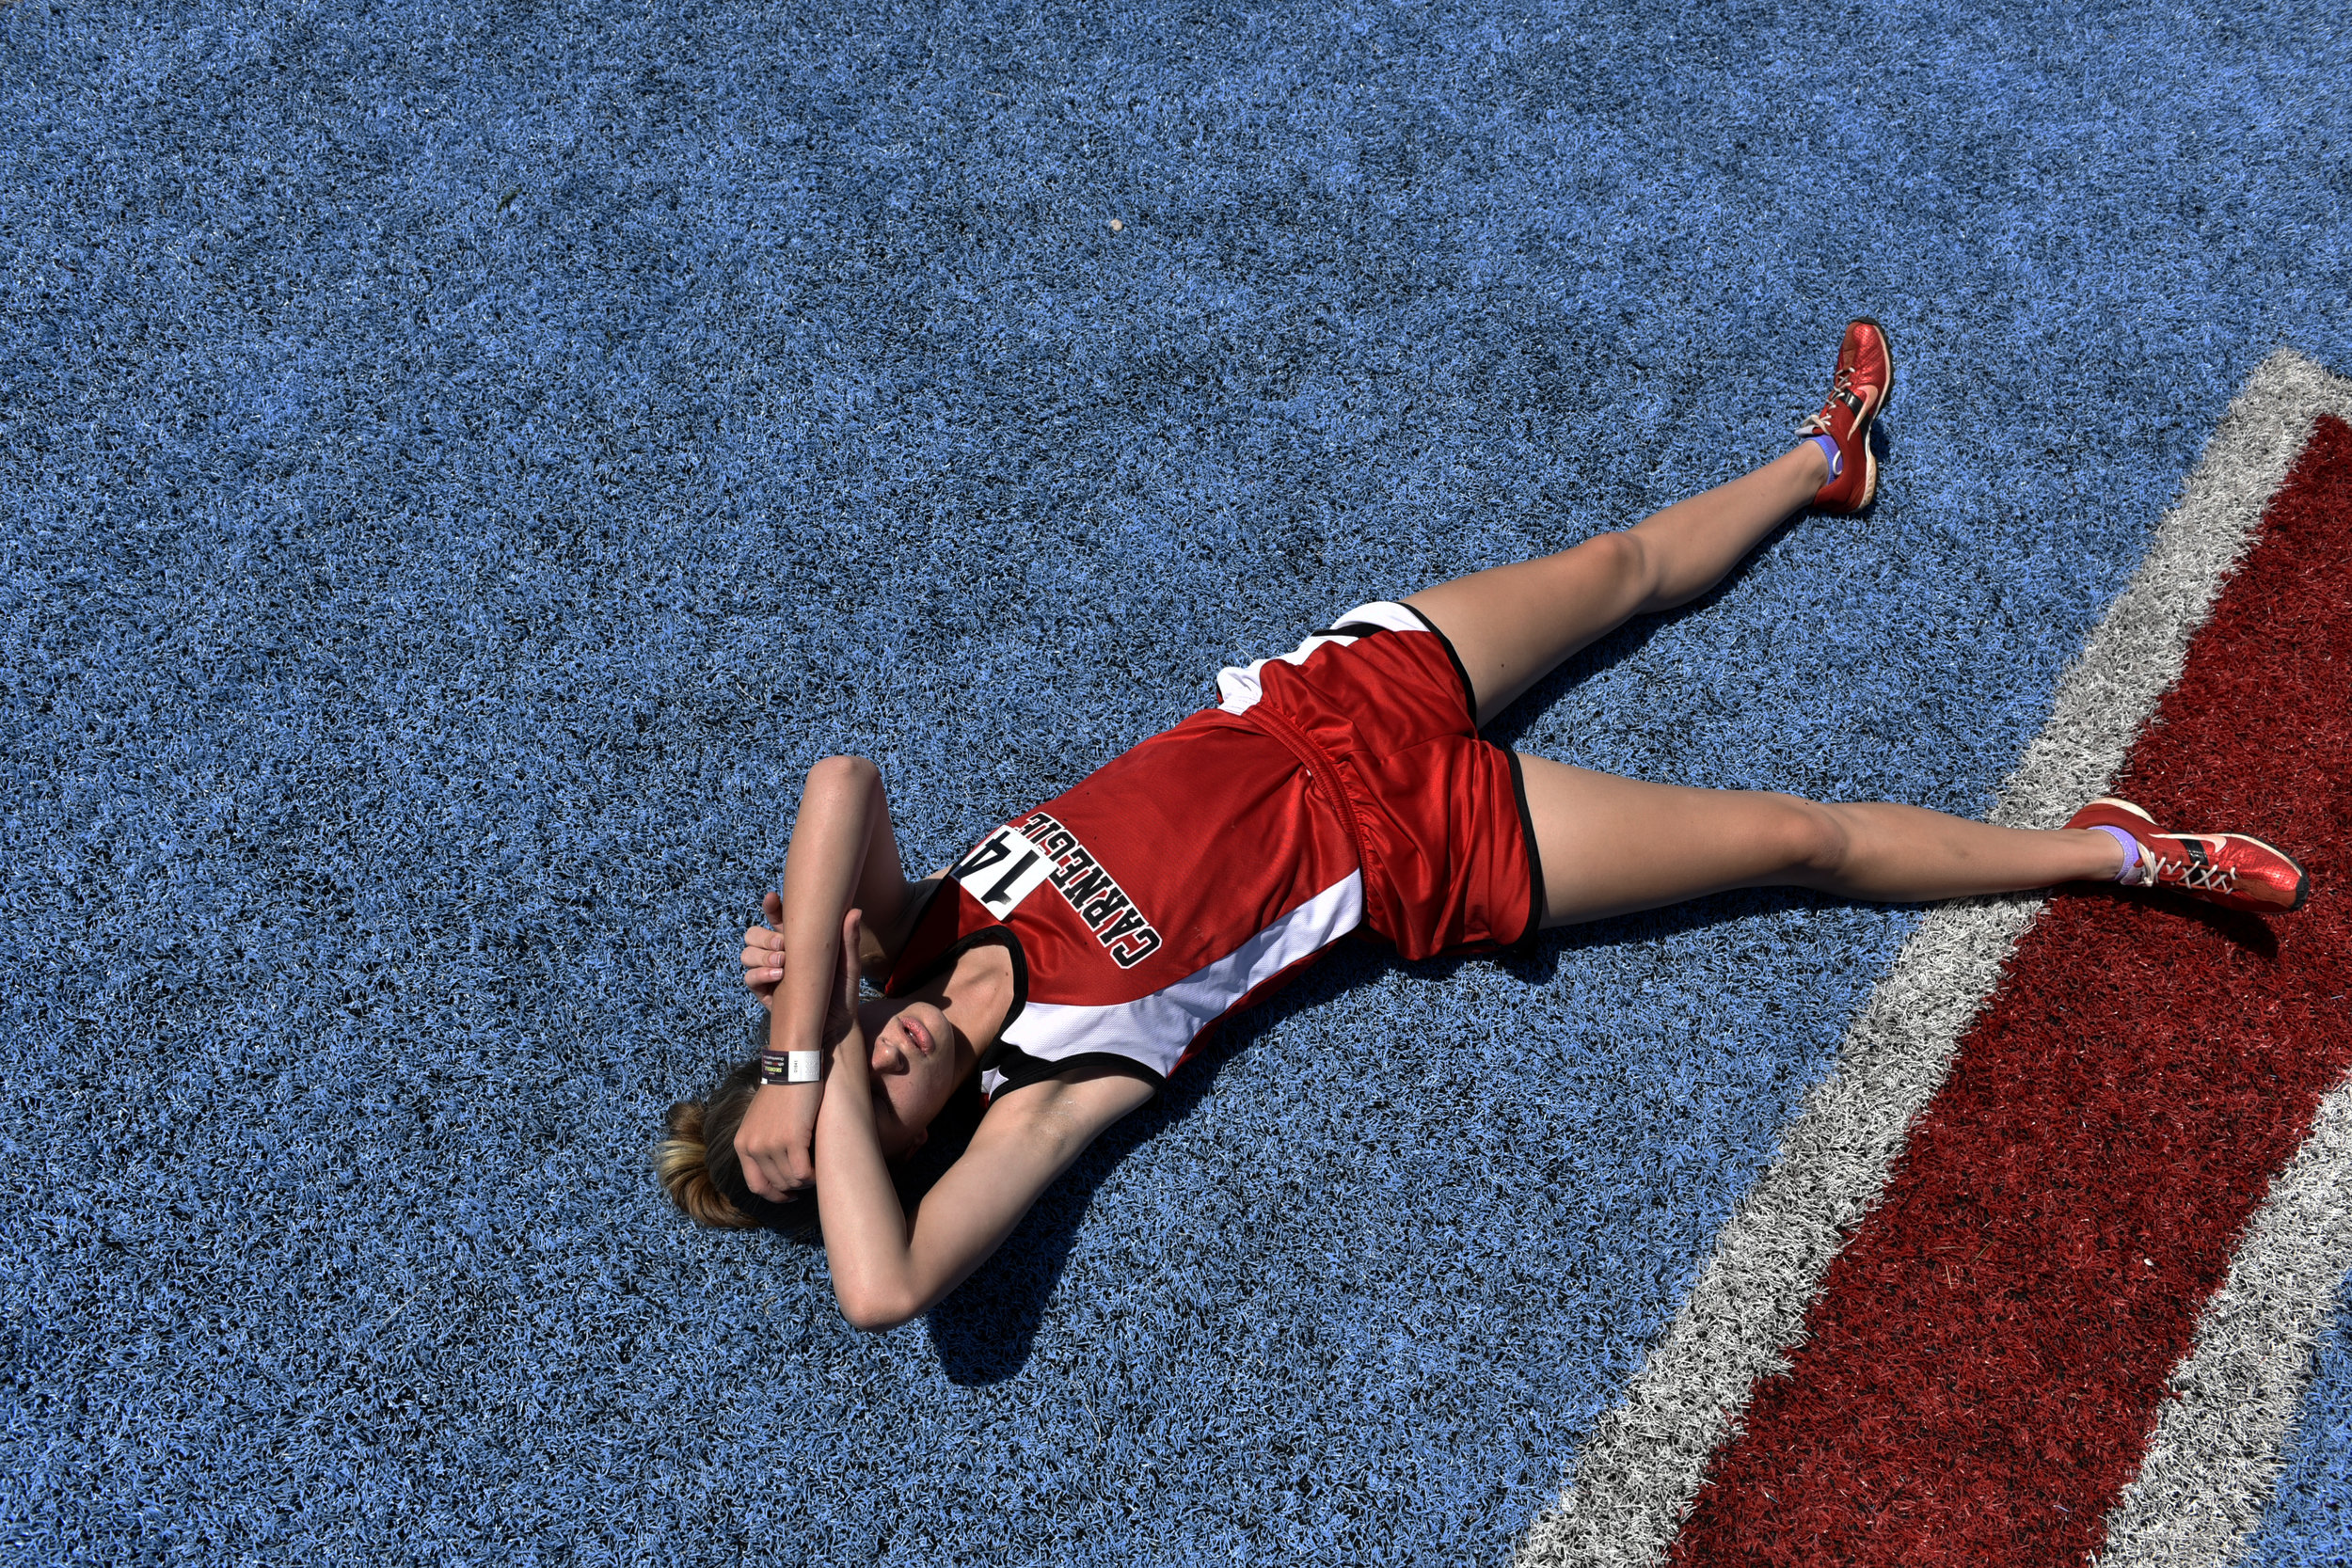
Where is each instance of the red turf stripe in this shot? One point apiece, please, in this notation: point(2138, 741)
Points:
point(1982, 1371)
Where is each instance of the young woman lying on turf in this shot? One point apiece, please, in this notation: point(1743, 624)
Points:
point(1070, 960)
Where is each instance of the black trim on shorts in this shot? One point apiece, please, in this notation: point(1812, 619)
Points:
point(1534, 856)
point(1470, 692)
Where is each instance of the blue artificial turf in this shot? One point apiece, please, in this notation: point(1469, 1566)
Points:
point(2309, 1517)
point(461, 464)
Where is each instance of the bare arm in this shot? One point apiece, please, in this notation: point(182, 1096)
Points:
point(843, 853)
point(885, 1271)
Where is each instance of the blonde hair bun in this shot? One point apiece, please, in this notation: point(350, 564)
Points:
point(681, 1162)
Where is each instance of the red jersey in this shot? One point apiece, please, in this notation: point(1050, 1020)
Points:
point(1191, 873)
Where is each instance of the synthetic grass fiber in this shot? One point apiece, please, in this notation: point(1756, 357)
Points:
point(1978, 1380)
point(462, 463)
point(2215, 1435)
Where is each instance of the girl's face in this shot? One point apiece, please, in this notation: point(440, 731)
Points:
point(911, 1049)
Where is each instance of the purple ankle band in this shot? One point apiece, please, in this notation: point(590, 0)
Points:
point(1836, 464)
point(2131, 849)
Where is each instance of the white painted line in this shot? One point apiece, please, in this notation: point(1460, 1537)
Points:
point(2218, 1446)
point(2138, 651)
point(1638, 1471)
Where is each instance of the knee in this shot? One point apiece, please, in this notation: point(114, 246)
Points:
point(1629, 560)
point(839, 775)
point(1814, 840)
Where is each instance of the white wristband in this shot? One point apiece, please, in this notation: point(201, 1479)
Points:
point(800, 1066)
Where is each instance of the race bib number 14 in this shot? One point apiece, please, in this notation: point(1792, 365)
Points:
point(1006, 868)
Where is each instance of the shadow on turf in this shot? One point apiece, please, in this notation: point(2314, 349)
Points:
point(1607, 652)
point(2250, 933)
point(984, 1331)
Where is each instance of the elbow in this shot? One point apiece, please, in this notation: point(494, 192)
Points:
point(844, 773)
point(874, 1311)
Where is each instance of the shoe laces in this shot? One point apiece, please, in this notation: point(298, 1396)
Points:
point(1819, 423)
point(2210, 876)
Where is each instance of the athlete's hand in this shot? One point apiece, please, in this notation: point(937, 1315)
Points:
point(775, 1139)
point(763, 952)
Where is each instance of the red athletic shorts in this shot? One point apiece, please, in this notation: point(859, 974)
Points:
point(1380, 706)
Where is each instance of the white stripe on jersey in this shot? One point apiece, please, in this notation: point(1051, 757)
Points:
point(1238, 689)
point(1156, 1029)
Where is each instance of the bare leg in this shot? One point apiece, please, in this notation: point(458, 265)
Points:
point(1610, 845)
point(1513, 625)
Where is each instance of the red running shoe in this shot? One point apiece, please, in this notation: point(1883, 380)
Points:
point(2232, 869)
point(1866, 377)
